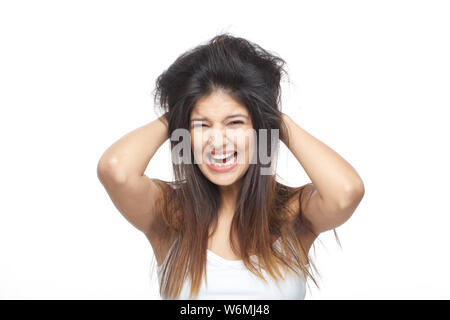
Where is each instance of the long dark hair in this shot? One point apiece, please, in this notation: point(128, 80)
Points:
point(190, 204)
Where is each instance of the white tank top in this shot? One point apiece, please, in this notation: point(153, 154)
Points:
point(230, 279)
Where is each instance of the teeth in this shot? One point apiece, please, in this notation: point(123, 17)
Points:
point(220, 164)
point(222, 156)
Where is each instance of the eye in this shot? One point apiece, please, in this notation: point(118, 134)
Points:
point(198, 125)
point(236, 122)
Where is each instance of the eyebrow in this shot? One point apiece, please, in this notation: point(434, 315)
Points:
point(227, 117)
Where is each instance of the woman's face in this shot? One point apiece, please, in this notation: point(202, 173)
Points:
point(220, 126)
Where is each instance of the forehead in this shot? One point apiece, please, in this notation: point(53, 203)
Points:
point(217, 106)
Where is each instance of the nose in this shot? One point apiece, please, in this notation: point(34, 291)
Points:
point(217, 140)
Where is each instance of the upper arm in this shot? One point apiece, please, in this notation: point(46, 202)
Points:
point(135, 197)
point(324, 216)
point(317, 217)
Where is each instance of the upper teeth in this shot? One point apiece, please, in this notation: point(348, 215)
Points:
point(222, 156)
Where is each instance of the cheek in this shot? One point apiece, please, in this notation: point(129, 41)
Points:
point(197, 144)
point(250, 144)
point(245, 148)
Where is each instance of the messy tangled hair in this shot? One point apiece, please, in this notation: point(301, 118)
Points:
point(189, 206)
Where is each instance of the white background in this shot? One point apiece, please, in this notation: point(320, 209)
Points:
point(371, 79)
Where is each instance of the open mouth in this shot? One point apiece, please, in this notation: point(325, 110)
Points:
point(222, 161)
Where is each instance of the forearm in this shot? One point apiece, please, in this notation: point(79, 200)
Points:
point(131, 154)
point(334, 178)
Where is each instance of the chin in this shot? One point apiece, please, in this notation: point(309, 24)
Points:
point(221, 179)
point(223, 182)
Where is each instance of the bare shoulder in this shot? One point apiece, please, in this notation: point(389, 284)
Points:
point(306, 236)
point(159, 234)
point(160, 246)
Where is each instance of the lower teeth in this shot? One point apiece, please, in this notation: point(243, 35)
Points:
point(219, 164)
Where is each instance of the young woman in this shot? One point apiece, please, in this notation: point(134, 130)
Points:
point(225, 228)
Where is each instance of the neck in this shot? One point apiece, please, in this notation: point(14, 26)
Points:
point(228, 199)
